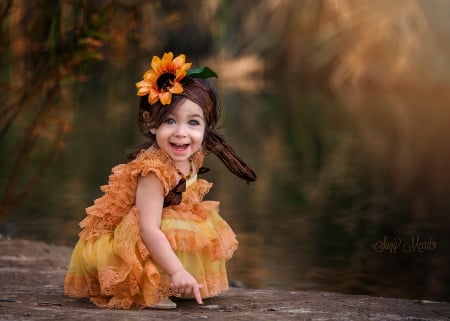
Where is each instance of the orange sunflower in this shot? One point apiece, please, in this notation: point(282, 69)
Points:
point(163, 79)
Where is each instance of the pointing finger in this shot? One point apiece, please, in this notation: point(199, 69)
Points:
point(197, 296)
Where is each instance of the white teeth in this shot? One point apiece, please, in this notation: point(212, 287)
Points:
point(179, 146)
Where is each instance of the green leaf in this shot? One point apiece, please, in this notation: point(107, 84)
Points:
point(201, 72)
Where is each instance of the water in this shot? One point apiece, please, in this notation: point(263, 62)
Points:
point(351, 194)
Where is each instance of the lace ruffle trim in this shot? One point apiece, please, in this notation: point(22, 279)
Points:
point(119, 193)
point(218, 247)
point(119, 296)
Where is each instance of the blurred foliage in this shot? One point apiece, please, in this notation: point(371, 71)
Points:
point(45, 47)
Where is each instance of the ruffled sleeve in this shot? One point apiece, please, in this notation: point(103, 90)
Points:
point(156, 162)
point(120, 193)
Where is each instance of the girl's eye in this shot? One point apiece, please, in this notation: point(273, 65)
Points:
point(194, 122)
point(169, 121)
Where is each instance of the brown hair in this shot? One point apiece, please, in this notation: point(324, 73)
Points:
point(201, 92)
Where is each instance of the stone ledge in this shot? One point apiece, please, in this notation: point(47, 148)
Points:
point(31, 288)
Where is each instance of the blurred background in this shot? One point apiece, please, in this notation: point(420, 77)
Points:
point(340, 106)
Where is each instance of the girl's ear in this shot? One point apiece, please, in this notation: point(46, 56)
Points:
point(153, 131)
point(146, 115)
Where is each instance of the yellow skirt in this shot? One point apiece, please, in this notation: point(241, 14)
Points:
point(116, 270)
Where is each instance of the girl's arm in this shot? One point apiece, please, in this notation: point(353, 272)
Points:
point(149, 201)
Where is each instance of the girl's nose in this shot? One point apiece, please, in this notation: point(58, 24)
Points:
point(180, 131)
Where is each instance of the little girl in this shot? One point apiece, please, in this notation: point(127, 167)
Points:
point(151, 236)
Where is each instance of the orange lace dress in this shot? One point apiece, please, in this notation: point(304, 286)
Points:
point(110, 264)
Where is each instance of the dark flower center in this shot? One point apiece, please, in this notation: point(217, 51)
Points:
point(165, 80)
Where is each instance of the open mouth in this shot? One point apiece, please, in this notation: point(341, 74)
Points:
point(180, 147)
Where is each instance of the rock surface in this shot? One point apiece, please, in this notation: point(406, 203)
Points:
point(31, 288)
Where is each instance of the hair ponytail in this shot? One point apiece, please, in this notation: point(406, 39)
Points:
point(216, 144)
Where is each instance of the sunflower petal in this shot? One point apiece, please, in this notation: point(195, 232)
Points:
point(177, 88)
point(179, 74)
point(156, 63)
point(165, 97)
point(142, 83)
point(166, 59)
point(143, 87)
point(153, 96)
point(142, 91)
point(179, 61)
point(149, 74)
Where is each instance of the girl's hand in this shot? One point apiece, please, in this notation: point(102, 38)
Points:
point(184, 283)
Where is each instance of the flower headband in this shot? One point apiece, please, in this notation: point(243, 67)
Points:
point(163, 79)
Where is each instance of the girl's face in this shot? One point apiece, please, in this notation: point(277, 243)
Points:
point(181, 133)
